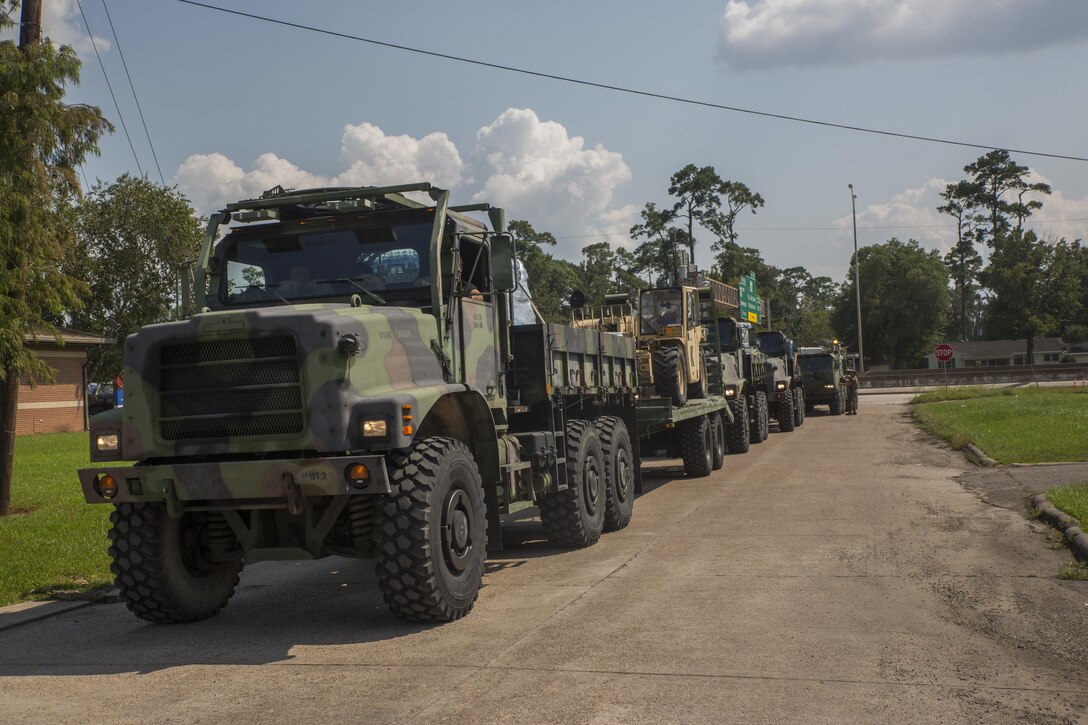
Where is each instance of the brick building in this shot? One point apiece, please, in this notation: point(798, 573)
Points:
point(61, 406)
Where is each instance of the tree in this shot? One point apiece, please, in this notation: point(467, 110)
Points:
point(697, 190)
point(660, 252)
point(964, 263)
point(134, 237)
point(993, 176)
point(550, 280)
point(42, 141)
point(904, 302)
point(738, 197)
point(1035, 287)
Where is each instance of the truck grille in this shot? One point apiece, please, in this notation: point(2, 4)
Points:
point(230, 388)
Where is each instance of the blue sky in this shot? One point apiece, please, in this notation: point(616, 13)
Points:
point(235, 106)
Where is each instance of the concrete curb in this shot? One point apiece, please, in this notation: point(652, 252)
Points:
point(1063, 522)
point(978, 457)
point(17, 615)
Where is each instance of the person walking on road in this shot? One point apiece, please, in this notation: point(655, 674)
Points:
point(851, 392)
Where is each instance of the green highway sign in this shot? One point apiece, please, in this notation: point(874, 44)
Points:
point(750, 304)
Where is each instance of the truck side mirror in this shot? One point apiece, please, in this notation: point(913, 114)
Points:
point(502, 262)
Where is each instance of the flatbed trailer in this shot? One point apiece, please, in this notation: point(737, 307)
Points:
point(694, 431)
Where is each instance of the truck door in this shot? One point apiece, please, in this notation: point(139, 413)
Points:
point(477, 329)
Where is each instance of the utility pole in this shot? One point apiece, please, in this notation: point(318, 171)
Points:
point(857, 275)
point(30, 33)
point(30, 25)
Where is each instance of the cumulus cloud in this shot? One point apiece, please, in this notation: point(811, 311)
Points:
point(533, 168)
point(764, 33)
point(912, 214)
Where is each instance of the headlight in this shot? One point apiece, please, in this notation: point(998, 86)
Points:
point(375, 428)
point(780, 386)
point(829, 387)
point(107, 442)
point(730, 391)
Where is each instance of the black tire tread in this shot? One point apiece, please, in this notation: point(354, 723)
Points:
point(561, 511)
point(784, 412)
point(668, 364)
point(717, 436)
point(402, 548)
point(739, 438)
point(759, 425)
point(139, 566)
point(694, 440)
point(613, 433)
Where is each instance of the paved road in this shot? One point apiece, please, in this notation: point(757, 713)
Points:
point(835, 573)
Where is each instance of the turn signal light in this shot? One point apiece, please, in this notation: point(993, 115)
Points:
point(106, 486)
point(358, 474)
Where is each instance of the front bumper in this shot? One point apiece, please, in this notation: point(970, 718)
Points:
point(256, 483)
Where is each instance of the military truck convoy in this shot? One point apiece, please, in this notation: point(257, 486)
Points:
point(352, 385)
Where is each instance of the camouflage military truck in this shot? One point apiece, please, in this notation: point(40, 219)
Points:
point(352, 385)
point(822, 373)
point(745, 382)
point(786, 394)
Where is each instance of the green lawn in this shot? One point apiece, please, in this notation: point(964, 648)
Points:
point(1011, 425)
point(53, 540)
point(1072, 499)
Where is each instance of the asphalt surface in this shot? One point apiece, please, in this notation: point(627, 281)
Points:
point(837, 573)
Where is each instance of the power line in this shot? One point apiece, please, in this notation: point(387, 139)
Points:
point(631, 91)
point(110, 86)
point(134, 96)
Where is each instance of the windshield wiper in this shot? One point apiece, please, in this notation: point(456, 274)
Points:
point(359, 287)
point(269, 288)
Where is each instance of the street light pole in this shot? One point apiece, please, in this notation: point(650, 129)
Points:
point(857, 276)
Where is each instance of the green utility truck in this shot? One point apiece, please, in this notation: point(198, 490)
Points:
point(352, 385)
point(746, 383)
point(786, 393)
point(822, 371)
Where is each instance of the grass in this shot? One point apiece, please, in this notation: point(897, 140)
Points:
point(53, 541)
point(1012, 425)
point(1072, 499)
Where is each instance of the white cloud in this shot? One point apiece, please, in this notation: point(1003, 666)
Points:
point(539, 172)
point(912, 214)
point(533, 168)
point(762, 33)
point(62, 23)
point(374, 158)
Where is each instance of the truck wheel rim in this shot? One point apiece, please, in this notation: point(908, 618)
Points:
point(457, 532)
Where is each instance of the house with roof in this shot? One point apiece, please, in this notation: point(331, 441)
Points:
point(59, 406)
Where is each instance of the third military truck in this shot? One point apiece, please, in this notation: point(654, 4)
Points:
point(786, 395)
point(822, 371)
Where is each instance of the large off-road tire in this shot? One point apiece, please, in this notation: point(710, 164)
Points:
point(838, 403)
point(717, 436)
point(430, 541)
point(697, 446)
point(619, 472)
point(670, 377)
point(575, 515)
point(739, 436)
point(784, 412)
point(799, 406)
point(163, 566)
point(761, 419)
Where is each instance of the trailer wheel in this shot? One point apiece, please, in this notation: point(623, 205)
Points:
point(619, 472)
point(697, 446)
point(165, 567)
point(717, 434)
point(575, 515)
point(784, 412)
point(762, 416)
point(740, 432)
point(798, 406)
point(670, 378)
point(431, 539)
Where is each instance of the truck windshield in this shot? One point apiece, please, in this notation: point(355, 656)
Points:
point(816, 363)
point(268, 265)
point(727, 334)
point(658, 308)
point(771, 344)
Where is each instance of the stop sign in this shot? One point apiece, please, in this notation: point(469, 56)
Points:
point(943, 352)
